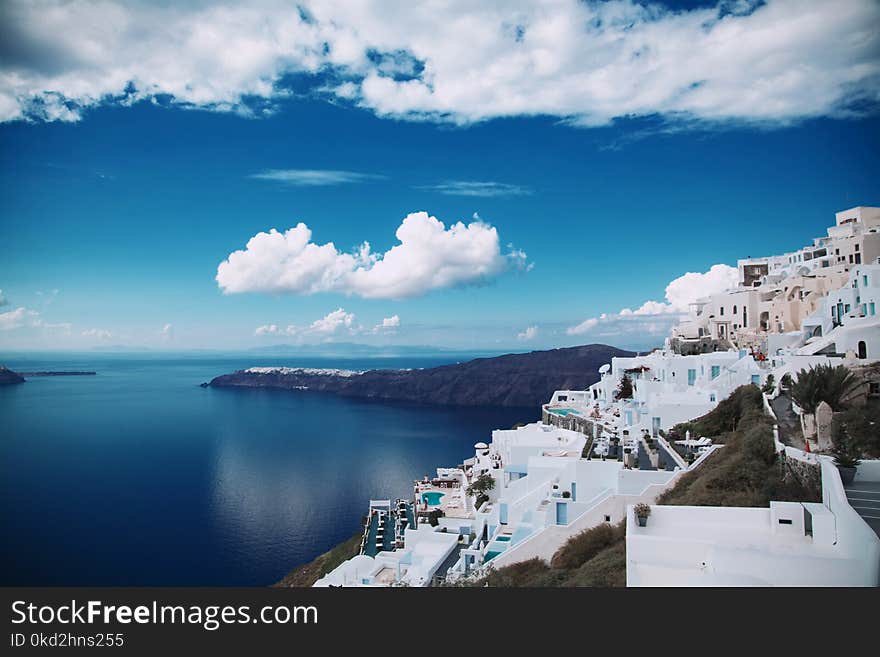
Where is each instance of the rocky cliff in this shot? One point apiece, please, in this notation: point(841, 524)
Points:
point(8, 377)
point(509, 380)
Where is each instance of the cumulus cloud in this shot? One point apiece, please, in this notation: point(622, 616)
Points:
point(388, 326)
point(100, 334)
point(658, 316)
point(529, 334)
point(585, 62)
point(167, 332)
point(430, 256)
point(25, 318)
point(314, 177)
point(476, 188)
point(326, 326)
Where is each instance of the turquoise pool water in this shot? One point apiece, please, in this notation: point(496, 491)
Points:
point(431, 498)
point(502, 538)
point(563, 411)
point(491, 554)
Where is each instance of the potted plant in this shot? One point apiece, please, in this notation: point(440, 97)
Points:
point(642, 512)
point(845, 452)
point(847, 460)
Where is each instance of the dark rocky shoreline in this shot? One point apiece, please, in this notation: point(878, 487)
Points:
point(8, 377)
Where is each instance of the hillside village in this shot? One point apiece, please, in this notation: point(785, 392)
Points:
point(798, 338)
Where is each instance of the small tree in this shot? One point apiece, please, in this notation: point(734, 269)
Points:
point(785, 381)
point(434, 517)
point(625, 389)
point(768, 385)
point(481, 485)
point(823, 383)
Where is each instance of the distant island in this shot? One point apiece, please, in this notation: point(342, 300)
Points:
point(510, 380)
point(8, 377)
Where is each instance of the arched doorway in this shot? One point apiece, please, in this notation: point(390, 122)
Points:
point(863, 349)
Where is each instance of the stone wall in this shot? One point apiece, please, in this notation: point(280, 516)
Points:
point(807, 474)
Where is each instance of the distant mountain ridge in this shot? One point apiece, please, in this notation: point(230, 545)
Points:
point(509, 380)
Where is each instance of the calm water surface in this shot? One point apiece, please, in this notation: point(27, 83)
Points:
point(137, 476)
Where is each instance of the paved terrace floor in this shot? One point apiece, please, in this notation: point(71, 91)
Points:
point(864, 497)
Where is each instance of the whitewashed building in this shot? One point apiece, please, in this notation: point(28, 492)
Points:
point(788, 544)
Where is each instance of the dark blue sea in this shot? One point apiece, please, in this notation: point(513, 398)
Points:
point(137, 476)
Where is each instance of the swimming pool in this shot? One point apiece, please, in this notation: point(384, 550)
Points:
point(502, 538)
point(563, 411)
point(431, 498)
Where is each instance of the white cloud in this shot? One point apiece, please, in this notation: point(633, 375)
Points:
point(657, 316)
point(586, 62)
point(428, 257)
point(269, 329)
point(100, 334)
point(477, 188)
point(18, 318)
point(30, 319)
point(332, 322)
point(329, 325)
point(314, 177)
point(686, 289)
point(167, 332)
point(529, 334)
point(583, 327)
point(388, 326)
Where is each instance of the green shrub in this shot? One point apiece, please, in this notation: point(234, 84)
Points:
point(726, 416)
point(584, 546)
point(482, 484)
point(859, 429)
point(745, 472)
point(606, 569)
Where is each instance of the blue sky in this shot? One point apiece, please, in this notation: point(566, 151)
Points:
point(114, 220)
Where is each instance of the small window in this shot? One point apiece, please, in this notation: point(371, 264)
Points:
point(607, 518)
point(785, 521)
